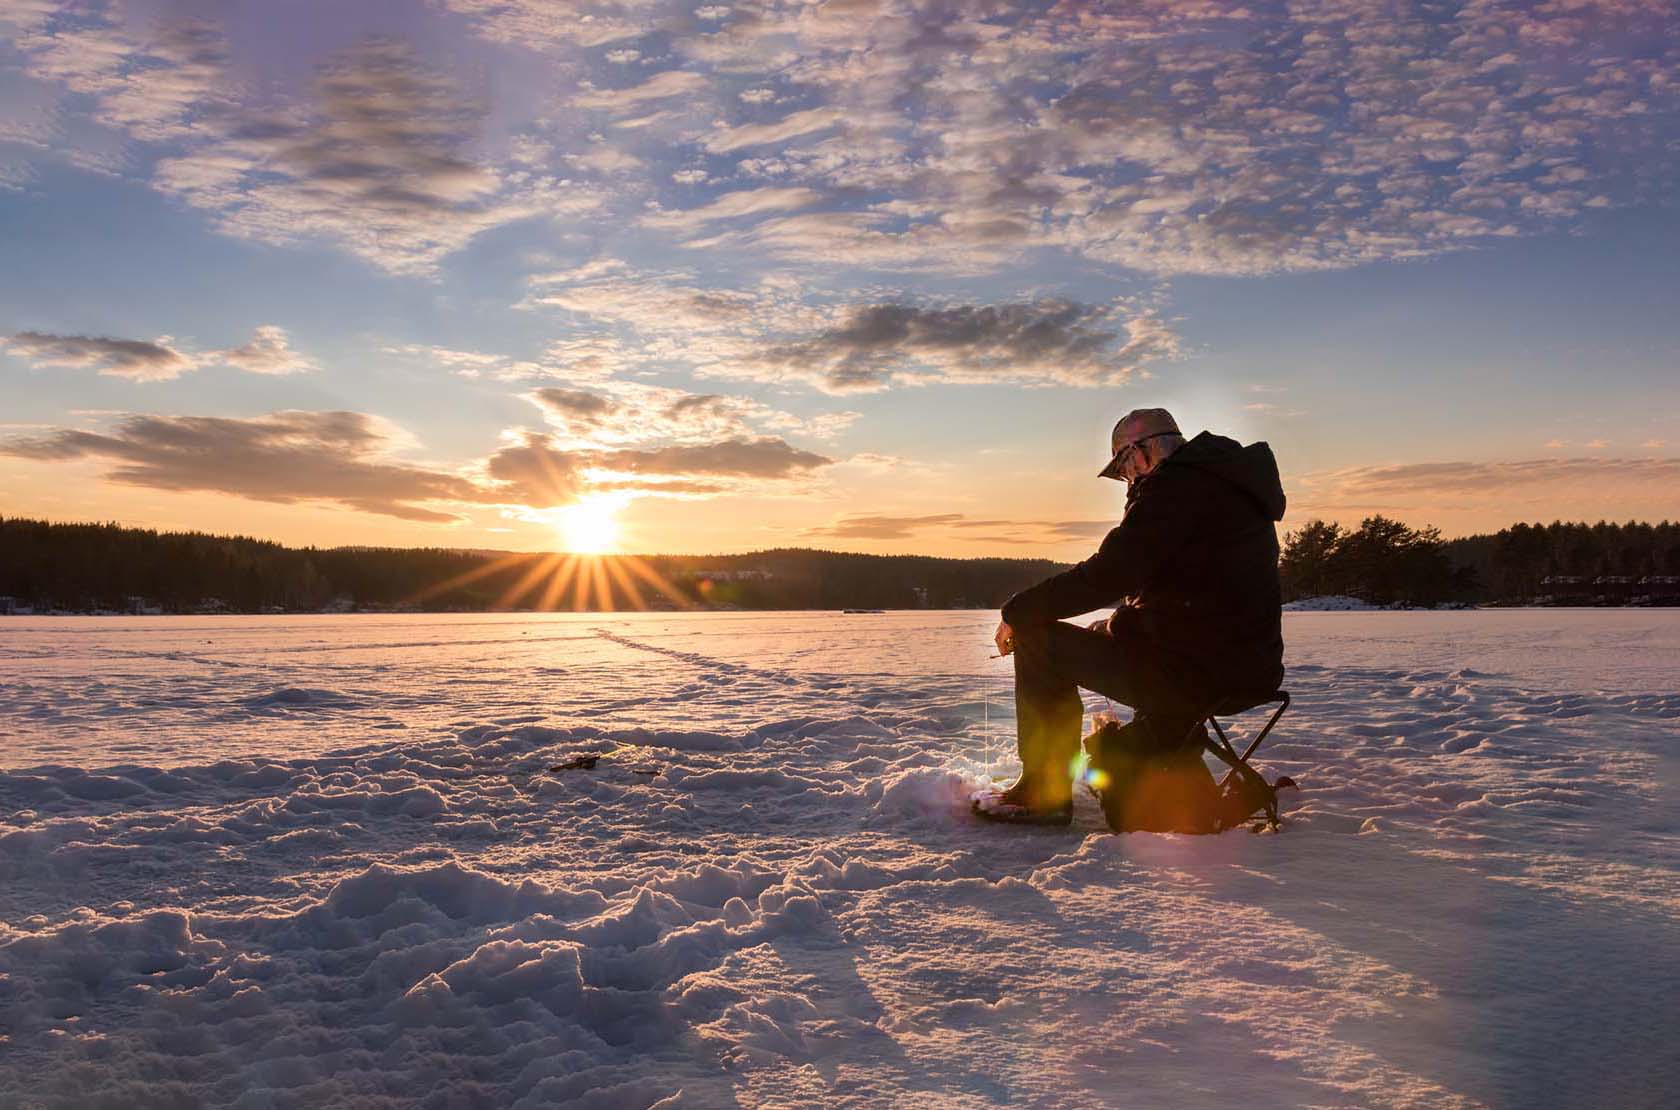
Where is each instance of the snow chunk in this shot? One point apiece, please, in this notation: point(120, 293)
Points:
point(298, 697)
point(921, 794)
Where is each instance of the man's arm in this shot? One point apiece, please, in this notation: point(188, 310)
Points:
point(1130, 555)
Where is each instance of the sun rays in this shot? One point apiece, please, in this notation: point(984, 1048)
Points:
point(555, 582)
point(590, 527)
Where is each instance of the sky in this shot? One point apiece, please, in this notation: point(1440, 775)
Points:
point(656, 277)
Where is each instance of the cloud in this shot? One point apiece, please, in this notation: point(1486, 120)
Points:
point(575, 409)
point(627, 412)
point(137, 360)
point(1057, 341)
point(152, 90)
point(268, 352)
point(1477, 493)
point(287, 457)
point(792, 126)
point(729, 206)
point(649, 303)
point(378, 166)
point(1496, 477)
point(536, 471)
point(663, 86)
point(588, 358)
point(878, 527)
point(615, 413)
point(344, 458)
point(467, 364)
point(774, 333)
point(1214, 137)
point(764, 457)
point(868, 526)
point(157, 360)
point(558, 23)
point(1063, 531)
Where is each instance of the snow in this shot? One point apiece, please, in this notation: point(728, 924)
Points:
point(323, 861)
point(1327, 603)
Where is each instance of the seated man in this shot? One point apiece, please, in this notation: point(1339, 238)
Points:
point(1193, 569)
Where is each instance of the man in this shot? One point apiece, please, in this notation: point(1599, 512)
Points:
point(1192, 567)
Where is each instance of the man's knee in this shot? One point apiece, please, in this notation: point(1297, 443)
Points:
point(1032, 646)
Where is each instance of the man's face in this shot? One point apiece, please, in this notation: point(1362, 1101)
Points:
point(1134, 462)
point(1137, 458)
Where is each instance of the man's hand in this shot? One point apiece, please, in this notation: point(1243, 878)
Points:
point(1004, 638)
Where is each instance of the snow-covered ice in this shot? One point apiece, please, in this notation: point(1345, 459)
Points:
point(1327, 603)
point(322, 861)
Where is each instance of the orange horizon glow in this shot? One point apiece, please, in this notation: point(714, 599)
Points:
point(590, 526)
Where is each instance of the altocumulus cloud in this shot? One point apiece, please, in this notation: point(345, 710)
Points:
point(616, 413)
point(377, 164)
point(770, 334)
point(1058, 341)
point(1210, 137)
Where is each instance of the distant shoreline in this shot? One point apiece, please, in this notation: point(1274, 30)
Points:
point(1373, 611)
point(97, 569)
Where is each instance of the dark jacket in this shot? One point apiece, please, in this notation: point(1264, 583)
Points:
point(1193, 566)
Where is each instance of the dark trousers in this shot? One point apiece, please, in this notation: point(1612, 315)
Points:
point(1052, 662)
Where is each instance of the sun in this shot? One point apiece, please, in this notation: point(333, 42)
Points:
point(590, 527)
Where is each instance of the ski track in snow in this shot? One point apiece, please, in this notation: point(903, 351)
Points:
point(313, 862)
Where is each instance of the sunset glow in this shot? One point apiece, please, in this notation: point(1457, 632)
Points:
point(590, 527)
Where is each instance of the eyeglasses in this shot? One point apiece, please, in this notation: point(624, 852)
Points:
point(1120, 456)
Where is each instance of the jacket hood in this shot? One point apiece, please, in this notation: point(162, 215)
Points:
point(1251, 469)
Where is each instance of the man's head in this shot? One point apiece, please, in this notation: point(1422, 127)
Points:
point(1142, 440)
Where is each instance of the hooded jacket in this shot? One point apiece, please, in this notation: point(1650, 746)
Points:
point(1193, 568)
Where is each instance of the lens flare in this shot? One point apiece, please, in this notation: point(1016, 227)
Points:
point(1080, 769)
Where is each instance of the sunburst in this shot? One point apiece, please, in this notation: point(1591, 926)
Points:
point(556, 582)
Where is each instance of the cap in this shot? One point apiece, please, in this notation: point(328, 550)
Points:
point(1134, 428)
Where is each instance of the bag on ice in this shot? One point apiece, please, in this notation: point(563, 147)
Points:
point(1146, 786)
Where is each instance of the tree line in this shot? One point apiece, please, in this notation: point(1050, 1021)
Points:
point(1386, 562)
point(94, 567)
point(107, 567)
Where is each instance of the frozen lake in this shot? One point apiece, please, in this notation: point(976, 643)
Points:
point(168, 690)
point(308, 861)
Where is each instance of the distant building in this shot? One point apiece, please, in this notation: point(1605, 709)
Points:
point(8, 606)
point(1657, 589)
point(1613, 589)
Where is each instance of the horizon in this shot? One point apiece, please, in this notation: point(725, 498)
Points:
point(727, 278)
point(635, 555)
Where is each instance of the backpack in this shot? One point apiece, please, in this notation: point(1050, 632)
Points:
point(1145, 786)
